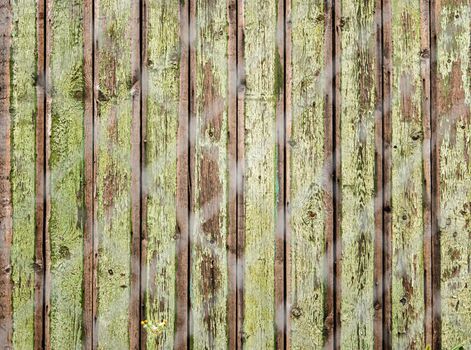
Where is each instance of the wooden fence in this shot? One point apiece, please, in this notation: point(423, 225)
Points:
point(289, 174)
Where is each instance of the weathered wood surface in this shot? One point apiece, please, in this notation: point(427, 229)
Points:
point(23, 80)
point(453, 103)
point(263, 83)
point(407, 174)
point(6, 287)
point(358, 93)
point(220, 180)
point(209, 274)
point(307, 263)
point(113, 172)
point(161, 100)
point(66, 164)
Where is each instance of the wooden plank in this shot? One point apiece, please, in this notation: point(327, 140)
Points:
point(89, 270)
point(329, 175)
point(241, 88)
point(6, 286)
point(336, 288)
point(23, 109)
point(209, 274)
point(65, 167)
point(383, 142)
point(426, 74)
point(307, 263)
point(42, 244)
point(183, 182)
point(113, 173)
point(233, 175)
point(407, 197)
point(453, 101)
point(135, 292)
point(381, 234)
point(264, 83)
point(161, 102)
point(432, 249)
point(280, 181)
point(357, 118)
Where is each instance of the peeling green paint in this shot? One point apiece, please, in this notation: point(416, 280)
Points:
point(357, 89)
point(23, 113)
point(163, 71)
point(453, 116)
point(113, 228)
point(307, 214)
point(407, 197)
point(260, 172)
point(209, 275)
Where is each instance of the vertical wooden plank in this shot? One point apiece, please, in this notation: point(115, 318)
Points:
point(331, 174)
point(183, 181)
point(426, 74)
point(407, 173)
point(453, 101)
point(161, 103)
point(233, 174)
point(6, 287)
point(381, 231)
point(336, 57)
point(135, 292)
point(385, 75)
point(42, 244)
point(113, 173)
point(89, 271)
point(432, 251)
point(357, 118)
point(307, 263)
point(209, 275)
point(240, 144)
point(23, 109)
point(280, 184)
point(264, 83)
point(65, 166)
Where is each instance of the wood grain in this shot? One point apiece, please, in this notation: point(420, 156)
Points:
point(161, 101)
point(23, 108)
point(65, 166)
point(307, 263)
point(6, 286)
point(357, 118)
point(209, 281)
point(183, 180)
point(136, 170)
point(264, 83)
point(233, 175)
point(280, 181)
point(113, 171)
point(426, 74)
point(241, 89)
point(42, 181)
point(407, 173)
point(453, 96)
point(89, 238)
